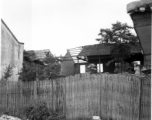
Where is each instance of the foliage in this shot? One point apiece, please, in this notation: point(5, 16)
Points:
point(53, 67)
point(119, 35)
point(8, 73)
point(125, 67)
point(120, 52)
point(48, 68)
point(92, 66)
point(40, 111)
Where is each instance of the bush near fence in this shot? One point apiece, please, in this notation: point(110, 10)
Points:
point(116, 96)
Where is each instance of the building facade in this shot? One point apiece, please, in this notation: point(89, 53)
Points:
point(94, 59)
point(11, 52)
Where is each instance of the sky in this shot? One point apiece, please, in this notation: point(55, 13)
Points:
point(59, 25)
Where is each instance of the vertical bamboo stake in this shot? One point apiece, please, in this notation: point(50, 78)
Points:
point(7, 96)
point(0, 96)
point(15, 95)
point(140, 98)
point(74, 96)
point(21, 93)
point(35, 90)
point(100, 94)
point(52, 93)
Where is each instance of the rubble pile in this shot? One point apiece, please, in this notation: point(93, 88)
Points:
point(7, 117)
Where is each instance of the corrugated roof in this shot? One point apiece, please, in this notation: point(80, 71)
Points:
point(73, 53)
point(104, 49)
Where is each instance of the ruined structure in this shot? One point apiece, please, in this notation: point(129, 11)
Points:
point(11, 52)
point(141, 15)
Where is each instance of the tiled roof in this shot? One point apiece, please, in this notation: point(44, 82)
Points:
point(104, 49)
point(38, 54)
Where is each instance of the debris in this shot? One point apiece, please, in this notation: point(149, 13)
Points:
point(7, 117)
point(96, 118)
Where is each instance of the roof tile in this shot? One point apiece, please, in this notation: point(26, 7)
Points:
point(104, 49)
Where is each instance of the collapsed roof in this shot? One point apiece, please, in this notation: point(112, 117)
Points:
point(38, 54)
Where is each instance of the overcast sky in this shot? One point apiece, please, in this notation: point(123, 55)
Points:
point(61, 24)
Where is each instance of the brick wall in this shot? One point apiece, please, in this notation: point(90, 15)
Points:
point(11, 52)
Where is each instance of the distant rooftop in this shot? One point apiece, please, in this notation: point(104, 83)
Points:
point(96, 49)
point(74, 52)
point(38, 54)
point(104, 49)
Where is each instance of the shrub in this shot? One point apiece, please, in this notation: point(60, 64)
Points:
point(40, 111)
point(37, 111)
point(7, 73)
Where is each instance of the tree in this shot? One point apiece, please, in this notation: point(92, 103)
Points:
point(32, 70)
point(118, 35)
point(7, 73)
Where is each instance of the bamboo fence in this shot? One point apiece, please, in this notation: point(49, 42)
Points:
point(116, 96)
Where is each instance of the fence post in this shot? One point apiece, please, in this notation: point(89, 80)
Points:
point(35, 90)
point(6, 96)
point(21, 93)
point(140, 97)
point(100, 94)
point(52, 94)
point(65, 79)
